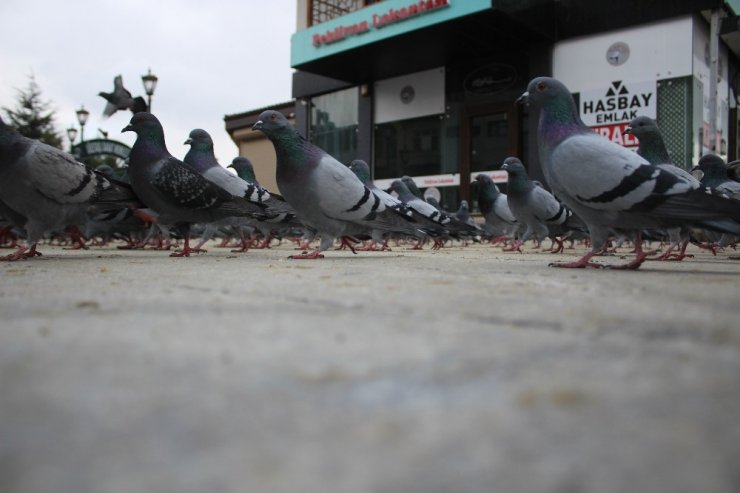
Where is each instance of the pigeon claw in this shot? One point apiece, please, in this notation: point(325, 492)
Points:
point(316, 254)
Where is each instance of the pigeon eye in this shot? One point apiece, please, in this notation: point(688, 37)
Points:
point(541, 86)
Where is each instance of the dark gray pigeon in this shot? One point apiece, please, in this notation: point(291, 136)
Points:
point(610, 187)
point(713, 173)
point(174, 190)
point(499, 221)
point(43, 189)
point(536, 209)
point(121, 99)
point(326, 194)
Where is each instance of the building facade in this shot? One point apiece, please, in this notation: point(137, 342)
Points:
point(427, 88)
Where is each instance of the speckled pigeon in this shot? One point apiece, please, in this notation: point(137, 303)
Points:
point(173, 189)
point(536, 209)
point(43, 189)
point(121, 99)
point(607, 185)
point(325, 194)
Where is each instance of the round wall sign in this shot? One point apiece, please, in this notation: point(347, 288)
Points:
point(618, 53)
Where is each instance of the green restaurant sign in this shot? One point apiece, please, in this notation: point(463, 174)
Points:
point(376, 22)
point(101, 147)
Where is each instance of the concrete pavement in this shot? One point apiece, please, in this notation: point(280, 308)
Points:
point(465, 370)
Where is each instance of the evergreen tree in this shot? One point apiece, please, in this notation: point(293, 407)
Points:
point(33, 116)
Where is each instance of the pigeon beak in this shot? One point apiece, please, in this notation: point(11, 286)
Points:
point(127, 128)
point(188, 142)
point(524, 98)
point(257, 125)
point(627, 130)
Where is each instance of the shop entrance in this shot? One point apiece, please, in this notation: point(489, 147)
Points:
point(489, 134)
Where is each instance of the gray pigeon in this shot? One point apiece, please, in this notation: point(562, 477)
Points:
point(244, 169)
point(534, 208)
point(325, 194)
point(652, 148)
point(438, 224)
point(500, 223)
point(174, 190)
point(202, 158)
point(121, 99)
point(43, 189)
point(362, 170)
point(610, 187)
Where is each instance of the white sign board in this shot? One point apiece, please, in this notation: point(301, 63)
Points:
point(609, 110)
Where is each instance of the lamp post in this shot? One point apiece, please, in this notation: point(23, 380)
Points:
point(150, 83)
point(82, 115)
point(71, 135)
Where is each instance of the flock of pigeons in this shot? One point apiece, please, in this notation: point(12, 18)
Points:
point(600, 191)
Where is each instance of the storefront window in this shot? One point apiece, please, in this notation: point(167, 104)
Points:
point(418, 147)
point(334, 123)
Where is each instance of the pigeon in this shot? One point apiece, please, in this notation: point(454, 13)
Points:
point(609, 186)
point(534, 207)
point(714, 176)
point(177, 193)
point(201, 157)
point(121, 99)
point(244, 169)
point(325, 194)
point(362, 170)
point(413, 188)
point(500, 223)
point(652, 148)
point(44, 189)
point(438, 224)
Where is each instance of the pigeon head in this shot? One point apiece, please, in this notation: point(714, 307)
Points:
point(144, 124)
point(464, 205)
point(516, 170)
point(243, 168)
point(710, 167)
point(641, 127)
point(411, 185)
point(272, 123)
point(199, 139)
point(401, 189)
point(361, 169)
point(558, 113)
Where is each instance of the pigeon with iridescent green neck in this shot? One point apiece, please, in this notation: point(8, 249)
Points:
point(608, 186)
point(326, 195)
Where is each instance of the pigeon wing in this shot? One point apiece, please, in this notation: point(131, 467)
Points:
point(55, 174)
point(184, 187)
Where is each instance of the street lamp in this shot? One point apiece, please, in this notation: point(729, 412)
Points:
point(150, 83)
point(71, 135)
point(82, 115)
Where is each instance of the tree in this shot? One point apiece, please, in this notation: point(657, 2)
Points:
point(33, 116)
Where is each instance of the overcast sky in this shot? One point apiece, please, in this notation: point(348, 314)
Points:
point(212, 59)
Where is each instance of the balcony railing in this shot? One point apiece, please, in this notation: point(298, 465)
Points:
point(325, 10)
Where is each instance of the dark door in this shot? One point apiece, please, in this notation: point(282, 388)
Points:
point(489, 135)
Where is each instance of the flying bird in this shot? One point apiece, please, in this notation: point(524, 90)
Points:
point(121, 99)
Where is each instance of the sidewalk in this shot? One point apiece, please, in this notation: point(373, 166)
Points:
point(463, 370)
